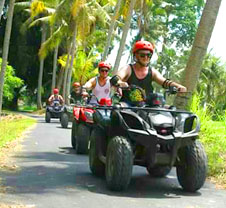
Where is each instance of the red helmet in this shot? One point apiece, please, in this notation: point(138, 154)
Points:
point(103, 64)
point(76, 84)
point(143, 45)
point(55, 91)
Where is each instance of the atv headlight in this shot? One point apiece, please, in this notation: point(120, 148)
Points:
point(89, 115)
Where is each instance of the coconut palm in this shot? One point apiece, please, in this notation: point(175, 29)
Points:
point(111, 28)
point(6, 49)
point(85, 15)
point(198, 51)
point(126, 26)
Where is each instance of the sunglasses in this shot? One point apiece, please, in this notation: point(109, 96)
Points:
point(103, 70)
point(148, 55)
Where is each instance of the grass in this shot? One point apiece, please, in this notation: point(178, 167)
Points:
point(213, 137)
point(28, 108)
point(12, 126)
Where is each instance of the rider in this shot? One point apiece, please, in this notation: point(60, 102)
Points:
point(76, 93)
point(140, 73)
point(56, 97)
point(100, 85)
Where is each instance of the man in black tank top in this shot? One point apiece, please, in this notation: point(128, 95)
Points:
point(140, 73)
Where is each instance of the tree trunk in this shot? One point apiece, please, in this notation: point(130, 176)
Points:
point(124, 35)
point(39, 93)
point(111, 29)
point(60, 78)
point(71, 66)
point(199, 48)
point(1, 8)
point(6, 49)
point(66, 71)
point(54, 68)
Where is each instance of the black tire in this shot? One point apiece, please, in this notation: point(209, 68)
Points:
point(73, 133)
point(48, 117)
point(119, 163)
point(192, 170)
point(64, 120)
point(159, 171)
point(82, 140)
point(97, 167)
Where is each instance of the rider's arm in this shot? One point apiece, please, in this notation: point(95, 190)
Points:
point(157, 77)
point(50, 98)
point(90, 84)
point(124, 74)
point(61, 99)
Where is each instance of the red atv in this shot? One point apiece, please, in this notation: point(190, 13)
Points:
point(82, 125)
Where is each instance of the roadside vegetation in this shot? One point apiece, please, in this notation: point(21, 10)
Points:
point(12, 126)
point(213, 137)
point(79, 31)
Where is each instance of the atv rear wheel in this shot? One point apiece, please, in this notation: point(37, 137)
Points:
point(119, 163)
point(192, 168)
point(48, 117)
point(82, 140)
point(64, 120)
point(159, 171)
point(97, 167)
point(74, 133)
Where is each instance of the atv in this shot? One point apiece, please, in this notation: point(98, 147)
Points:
point(53, 111)
point(67, 114)
point(148, 134)
point(82, 125)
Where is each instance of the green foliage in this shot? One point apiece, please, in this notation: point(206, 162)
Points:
point(213, 136)
point(83, 67)
point(11, 83)
point(212, 83)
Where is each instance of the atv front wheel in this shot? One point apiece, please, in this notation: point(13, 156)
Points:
point(82, 140)
point(159, 171)
point(119, 163)
point(48, 117)
point(97, 167)
point(64, 120)
point(192, 167)
point(74, 133)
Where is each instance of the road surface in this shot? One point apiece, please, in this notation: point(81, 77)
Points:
point(51, 175)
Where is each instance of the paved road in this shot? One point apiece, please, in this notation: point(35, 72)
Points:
point(52, 175)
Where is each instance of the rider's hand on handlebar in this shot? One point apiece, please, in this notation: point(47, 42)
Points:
point(182, 89)
point(85, 94)
point(123, 84)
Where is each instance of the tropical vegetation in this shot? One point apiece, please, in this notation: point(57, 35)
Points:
point(56, 42)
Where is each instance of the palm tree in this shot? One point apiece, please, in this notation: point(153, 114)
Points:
point(85, 15)
point(124, 34)
point(198, 51)
point(1, 8)
point(41, 67)
point(111, 28)
point(6, 49)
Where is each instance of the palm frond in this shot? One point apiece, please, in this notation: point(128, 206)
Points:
point(51, 43)
point(76, 7)
point(39, 21)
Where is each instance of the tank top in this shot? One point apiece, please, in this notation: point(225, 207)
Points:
point(145, 83)
point(101, 91)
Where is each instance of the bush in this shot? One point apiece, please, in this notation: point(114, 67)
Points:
point(10, 84)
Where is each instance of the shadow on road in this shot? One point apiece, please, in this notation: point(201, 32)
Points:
point(42, 172)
